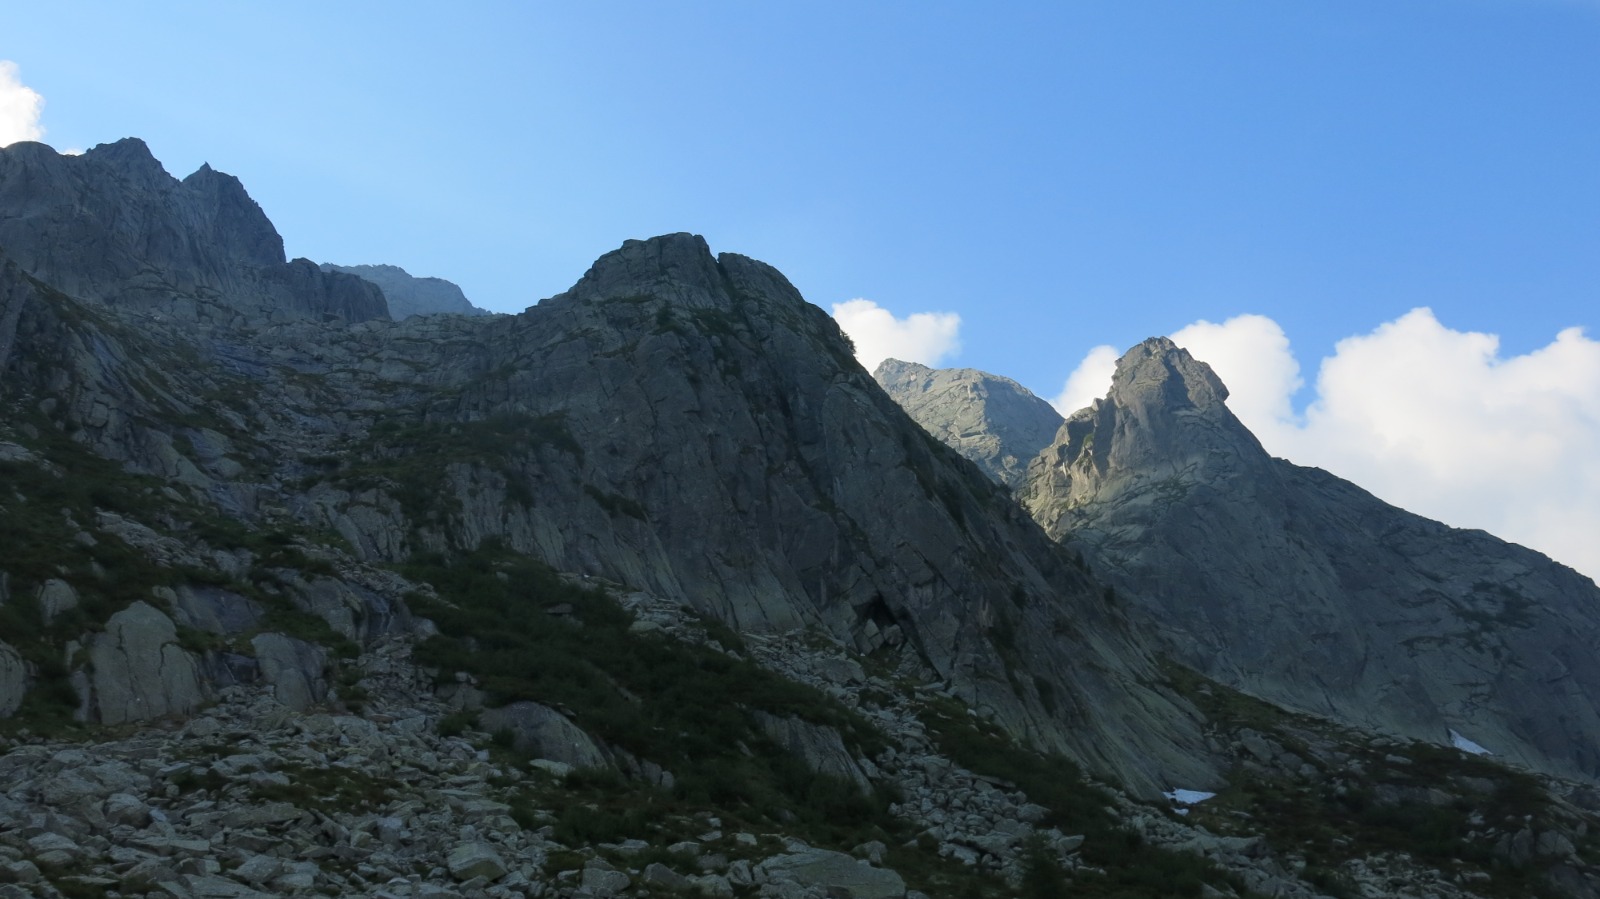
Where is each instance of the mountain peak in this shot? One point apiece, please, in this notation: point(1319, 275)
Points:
point(993, 421)
point(131, 156)
point(681, 270)
point(1161, 371)
point(679, 266)
point(409, 295)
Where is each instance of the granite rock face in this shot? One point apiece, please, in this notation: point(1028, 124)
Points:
point(293, 668)
point(112, 226)
point(707, 435)
point(545, 733)
point(13, 680)
point(139, 671)
point(1303, 589)
point(994, 421)
point(409, 295)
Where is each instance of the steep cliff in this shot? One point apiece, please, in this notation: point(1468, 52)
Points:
point(994, 421)
point(1305, 590)
point(687, 424)
point(112, 226)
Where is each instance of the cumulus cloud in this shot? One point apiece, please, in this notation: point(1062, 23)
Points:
point(1434, 420)
point(1089, 381)
point(20, 107)
point(925, 337)
point(1253, 359)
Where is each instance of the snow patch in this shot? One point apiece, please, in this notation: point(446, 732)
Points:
point(1466, 745)
point(1187, 797)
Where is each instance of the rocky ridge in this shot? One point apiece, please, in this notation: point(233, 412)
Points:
point(994, 421)
point(112, 226)
point(1304, 589)
point(409, 295)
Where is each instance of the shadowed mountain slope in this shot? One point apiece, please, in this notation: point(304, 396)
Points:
point(112, 226)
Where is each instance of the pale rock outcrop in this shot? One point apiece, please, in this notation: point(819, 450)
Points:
point(545, 733)
point(294, 668)
point(835, 871)
point(409, 295)
point(13, 680)
point(55, 597)
point(993, 421)
point(214, 610)
point(139, 671)
point(471, 860)
point(820, 748)
point(351, 609)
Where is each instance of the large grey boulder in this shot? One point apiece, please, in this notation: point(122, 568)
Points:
point(13, 680)
point(835, 871)
point(409, 295)
point(545, 733)
point(1308, 591)
point(821, 748)
point(994, 421)
point(295, 669)
point(55, 597)
point(138, 671)
point(470, 860)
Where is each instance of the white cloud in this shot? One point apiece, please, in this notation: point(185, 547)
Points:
point(1250, 353)
point(20, 107)
point(925, 337)
point(1427, 418)
point(1090, 381)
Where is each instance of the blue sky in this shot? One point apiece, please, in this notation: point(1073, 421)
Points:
point(1061, 176)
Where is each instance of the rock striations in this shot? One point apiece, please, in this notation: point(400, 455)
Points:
point(991, 420)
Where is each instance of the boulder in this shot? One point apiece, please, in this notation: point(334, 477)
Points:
point(56, 597)
point(545, 733)
point(820, 748)
point(471, 860)
point(138, 670)
point(295, 669)
point(13, 680)
point(835, 870)
point(601, 879)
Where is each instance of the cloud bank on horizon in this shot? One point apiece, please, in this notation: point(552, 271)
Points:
point(925, 337)
point(20, 107)
point(1428, 418)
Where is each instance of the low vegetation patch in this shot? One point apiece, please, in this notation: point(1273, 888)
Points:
point(1442, 807)
point(527, 634)
point(1132, 868)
